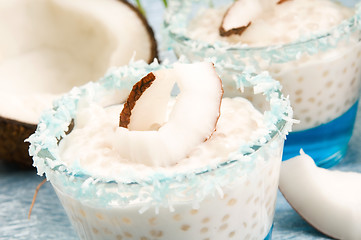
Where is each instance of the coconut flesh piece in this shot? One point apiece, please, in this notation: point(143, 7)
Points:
point(74, 42)
point(241, 13)
point(191, 121)
point(49, 46)
point(328, 200)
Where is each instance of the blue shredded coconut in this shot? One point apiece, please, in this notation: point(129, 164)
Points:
point(179, 13)
point(156, 188)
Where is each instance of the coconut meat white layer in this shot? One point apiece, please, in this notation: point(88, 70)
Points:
point(321, 86)
point(284, 23)
point(49, 46)
point(92, 145)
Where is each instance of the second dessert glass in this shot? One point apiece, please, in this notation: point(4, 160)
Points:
point(320, 73)
point(234, 199)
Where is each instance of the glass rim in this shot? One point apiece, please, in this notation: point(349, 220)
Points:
point(325, 38)
point(53, 124)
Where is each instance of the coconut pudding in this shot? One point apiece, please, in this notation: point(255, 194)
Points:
point(47, 47)
point(198, 166)
point(311, 47)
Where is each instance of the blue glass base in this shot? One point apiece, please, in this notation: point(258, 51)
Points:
point(269, 235)
point(327, 143)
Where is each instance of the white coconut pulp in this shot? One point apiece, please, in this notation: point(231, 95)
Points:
point(321, 86)
point(245, 207)
point(329, 200)
point(49, 46)
point(185, 124)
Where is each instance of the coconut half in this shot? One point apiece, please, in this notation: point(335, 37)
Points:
point(49, 46)
point(328, 200)
point(241, 13)
point(191, 121)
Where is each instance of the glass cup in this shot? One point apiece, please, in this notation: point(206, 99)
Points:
point(234, 198)
point(321, 75)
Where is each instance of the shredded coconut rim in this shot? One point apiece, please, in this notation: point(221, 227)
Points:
point(175, 30)
point(55, 122)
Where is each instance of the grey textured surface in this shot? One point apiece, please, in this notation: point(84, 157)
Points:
point(49, 221)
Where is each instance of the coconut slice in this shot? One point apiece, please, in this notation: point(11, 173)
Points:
point(49, 46)
point(241, 13)
point(191, 121)
point(146, 107)
point(329, 200)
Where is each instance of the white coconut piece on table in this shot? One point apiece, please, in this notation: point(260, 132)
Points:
point(329, 200)
point(241, 13)
point(49, 46)
point(191, 121)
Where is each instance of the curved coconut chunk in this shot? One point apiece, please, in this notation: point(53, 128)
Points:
point(192, 120)
point(241, 13)
point(329, 200)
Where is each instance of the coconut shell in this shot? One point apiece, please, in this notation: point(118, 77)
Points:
point(13, 149)
point(137, 91)
point(154, 48)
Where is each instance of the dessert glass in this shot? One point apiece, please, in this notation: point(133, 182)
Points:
point(320, 73)
point(233, 199)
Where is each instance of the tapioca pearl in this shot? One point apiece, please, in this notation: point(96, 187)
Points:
point(204, 230)
point(308, 119)
point(128, 235)
point(300, 79)
point(185, 227)
point(223, 227)
point(231, 234)
point(95, 230)
point(340, 85)
point(249, 199)
point(232, 202)
point(330, 106)
point(156, 233)
point(119, 237)
point(353, 81)
point(99, 216)
point(82, 212)
point(225, 218)
point(298, 92)
point(353, 64)
point(254, 215)
point(304, 110)
point(325, 73)
point(332, 95)
point(245, 225)
point(357, 70)
point(206, 220)
point(298, 100)
point(254, 225)
point(345, 69)
point(177, 217)
point(193, 212)
point(311, 100)
point(329, 84)
point(126, 220)
point(152, 221)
